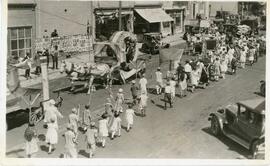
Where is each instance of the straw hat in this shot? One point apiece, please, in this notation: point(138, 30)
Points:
point(74, 110)
point(52, 102)
point(120, 90)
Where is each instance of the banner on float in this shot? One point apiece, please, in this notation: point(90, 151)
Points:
point(76, 43)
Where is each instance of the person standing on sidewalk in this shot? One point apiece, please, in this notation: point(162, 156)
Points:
point(28, 66)
point(47, 54)
point(30, 135)
point(70, 143)
point(168, 95)
point(37, 61)
point(134, 92)
point(55, 57)
point(143, 84)
point(159, 79)
point(90, 137)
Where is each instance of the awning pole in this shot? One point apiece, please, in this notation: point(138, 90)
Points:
point(120, 15)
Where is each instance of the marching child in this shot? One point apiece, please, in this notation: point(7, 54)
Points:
point(70, 143)
point(129, 117)
point(91, 136)
point(143, 103)
point(30, 136)
point(73, 120)
point(86, 117)
point(51, 135)
point(134, 92)
point(103, 129)
point(119, 101)
point(116, 126)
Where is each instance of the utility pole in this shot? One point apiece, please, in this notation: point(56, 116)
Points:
point(120, 16)
point(91, 33)
point(44, 76)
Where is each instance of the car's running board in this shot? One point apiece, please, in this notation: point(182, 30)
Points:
point(237, 140)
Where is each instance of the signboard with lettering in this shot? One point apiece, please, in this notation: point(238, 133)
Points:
point(76, 43)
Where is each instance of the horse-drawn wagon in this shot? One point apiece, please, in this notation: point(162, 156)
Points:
point(114, 60)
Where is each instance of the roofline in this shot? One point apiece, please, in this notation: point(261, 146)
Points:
point(22, 5)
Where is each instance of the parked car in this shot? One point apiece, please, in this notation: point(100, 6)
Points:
point(244, 123)
point(152, 43)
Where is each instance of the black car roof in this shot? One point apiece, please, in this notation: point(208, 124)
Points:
point(254, 105)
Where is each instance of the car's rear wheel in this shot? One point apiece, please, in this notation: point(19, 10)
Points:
point(215, 128)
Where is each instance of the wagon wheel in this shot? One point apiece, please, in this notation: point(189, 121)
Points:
point(34, 118)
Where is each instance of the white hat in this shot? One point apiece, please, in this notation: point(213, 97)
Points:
point(74, 110)
point(120, 90)
point(133, 81)
point(52, 102)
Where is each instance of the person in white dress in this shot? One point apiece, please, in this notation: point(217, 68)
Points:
point(143, 103)
point(252, 52)
point(172, 84)
point(70, 143)
point(51, 112)
point(243, 58)
point(30, 135)
point(194, 75)
point(223, 68)
point(129, 117)
point(103, 130)
point(90, 137)
point(119, 101)
point(159, 79)
point(183, 84)
point(73, 120)
point(51, 135)
point(143, 84)
point(116, 126)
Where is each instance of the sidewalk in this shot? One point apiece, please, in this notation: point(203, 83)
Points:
point(83, 57)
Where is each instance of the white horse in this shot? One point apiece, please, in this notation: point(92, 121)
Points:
point(87, 72)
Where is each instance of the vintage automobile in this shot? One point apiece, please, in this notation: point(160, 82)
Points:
point(152, 43)
point(243, 122)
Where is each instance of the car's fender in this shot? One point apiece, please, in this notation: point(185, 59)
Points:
point(220, 117)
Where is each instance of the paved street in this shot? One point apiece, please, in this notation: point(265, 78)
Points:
point(180, 132)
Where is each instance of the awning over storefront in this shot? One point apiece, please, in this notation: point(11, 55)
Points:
point(154, 15)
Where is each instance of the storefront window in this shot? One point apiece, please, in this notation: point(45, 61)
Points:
point(20, 41)
point(166, 24)
point(178, 21)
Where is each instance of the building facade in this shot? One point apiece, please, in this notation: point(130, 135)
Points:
point(21, 28)
point(107, 17)
point(150, 17)
point(214, 6)
point(177, 11)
